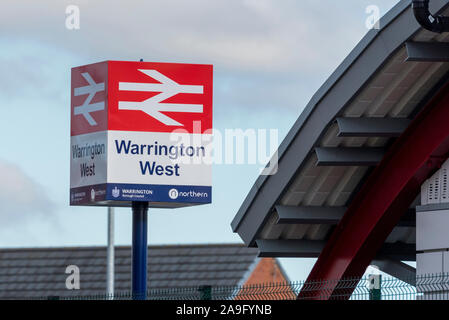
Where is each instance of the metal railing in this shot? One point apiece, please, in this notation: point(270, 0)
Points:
point(373, 287)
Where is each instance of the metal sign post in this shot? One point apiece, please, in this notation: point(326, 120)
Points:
point(139, 250)
point(110, 255)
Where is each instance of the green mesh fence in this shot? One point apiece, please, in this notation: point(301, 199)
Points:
point(374, 287)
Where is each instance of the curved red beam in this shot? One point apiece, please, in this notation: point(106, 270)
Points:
point(383, 199)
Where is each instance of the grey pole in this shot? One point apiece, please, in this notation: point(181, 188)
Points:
point(110, 255)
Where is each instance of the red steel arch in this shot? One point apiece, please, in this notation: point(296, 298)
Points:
point(383, 199)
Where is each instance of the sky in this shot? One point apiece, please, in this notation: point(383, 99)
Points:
point(269, 57)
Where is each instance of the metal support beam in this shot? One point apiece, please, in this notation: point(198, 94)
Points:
point(349, 156)
point(427, 51)
point(312, 249)
point(326, 215)
point(408, 219)
point(290, 248)
point(371, 127)
point(309, 215)
point(397, 251)
point(397, 269)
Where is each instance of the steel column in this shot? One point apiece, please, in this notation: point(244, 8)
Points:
point(384, 198)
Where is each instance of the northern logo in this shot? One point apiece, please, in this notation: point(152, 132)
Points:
point(173, 194)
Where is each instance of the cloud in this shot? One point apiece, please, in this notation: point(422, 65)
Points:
point(32, 71)
point(282, 47)
point(261, 35)
point(22, 200)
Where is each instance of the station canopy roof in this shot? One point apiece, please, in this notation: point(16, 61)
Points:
point(341, 135)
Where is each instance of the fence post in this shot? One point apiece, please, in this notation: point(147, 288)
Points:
point(375, 286)
point(205, 292)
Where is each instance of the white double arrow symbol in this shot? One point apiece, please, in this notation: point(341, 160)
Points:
point(86, 108)
point(153, 106)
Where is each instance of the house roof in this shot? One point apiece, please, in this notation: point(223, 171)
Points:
point(374, 81)
point(40, 272)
